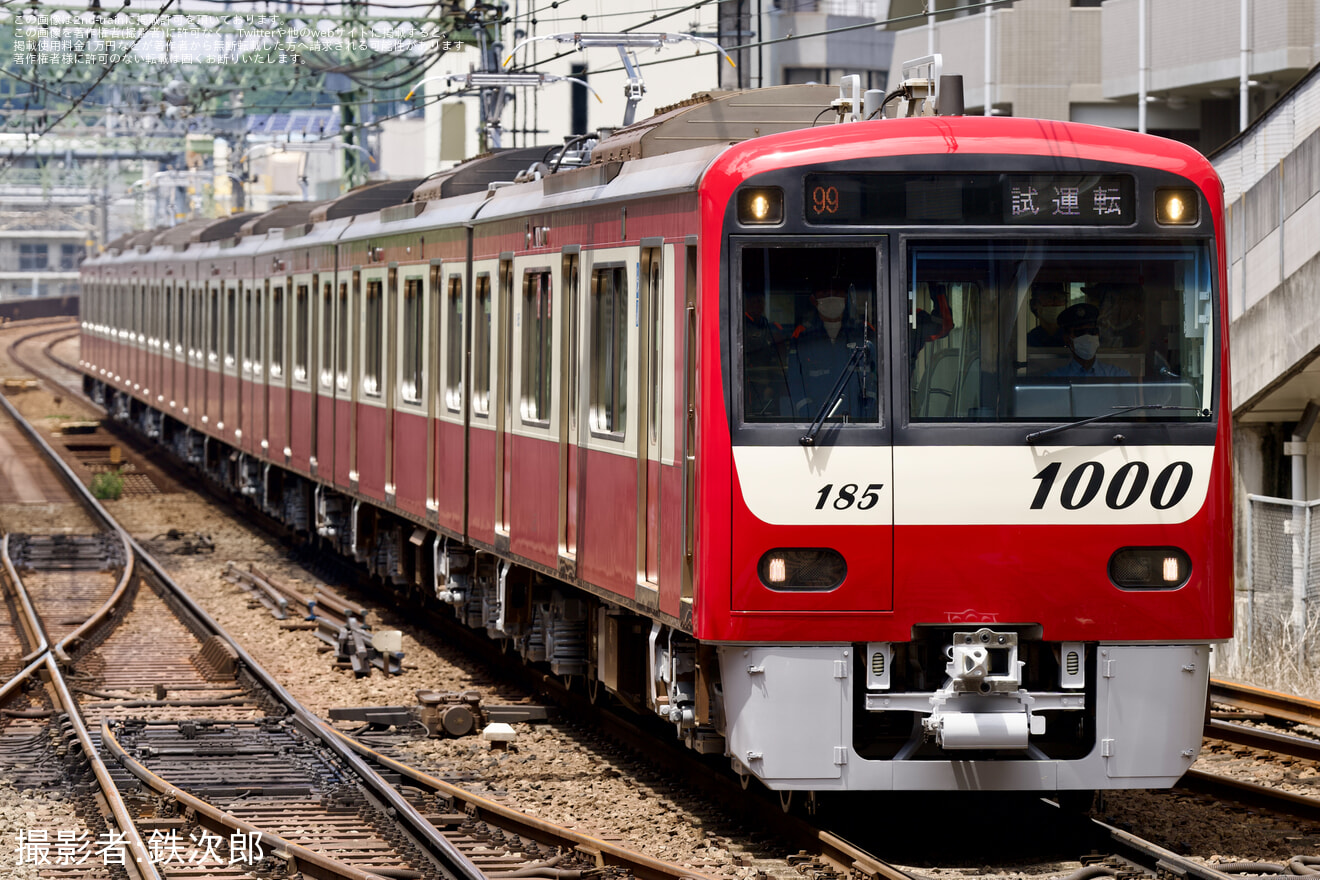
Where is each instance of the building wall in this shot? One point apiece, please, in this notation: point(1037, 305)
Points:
point(1053, 60)
point(670, 75)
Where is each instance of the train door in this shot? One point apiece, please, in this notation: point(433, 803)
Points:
point(178, 356)
point(649, 395)
point(570, 453)
point(390, 349)
point(504, 406)
point(688, 415)
point(467, 462)
point(275, 405)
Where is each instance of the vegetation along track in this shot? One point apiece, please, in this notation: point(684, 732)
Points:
point(219, 764)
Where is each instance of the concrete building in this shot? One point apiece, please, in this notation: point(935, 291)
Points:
point(1204, 68)
point(772, 42)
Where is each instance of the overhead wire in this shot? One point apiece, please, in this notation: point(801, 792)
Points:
point(811, 34)
point(9, 162)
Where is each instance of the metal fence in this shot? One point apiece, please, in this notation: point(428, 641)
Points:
point(1278, 617)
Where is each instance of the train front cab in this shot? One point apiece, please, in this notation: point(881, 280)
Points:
point(953, 563)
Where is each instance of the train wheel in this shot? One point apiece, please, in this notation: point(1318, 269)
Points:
point(786, 800)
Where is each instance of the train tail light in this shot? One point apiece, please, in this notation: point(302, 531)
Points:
point(1149, 568)
point(810, 569)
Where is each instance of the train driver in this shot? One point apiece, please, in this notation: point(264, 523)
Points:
point(822, 351)
point(1080, 327)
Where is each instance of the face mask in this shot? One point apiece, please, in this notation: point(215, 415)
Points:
point(1086, 346)
point(830, 308)
point(1049, 314)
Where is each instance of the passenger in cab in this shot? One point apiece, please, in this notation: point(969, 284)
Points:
point(1080, 329)
point(1048, 300)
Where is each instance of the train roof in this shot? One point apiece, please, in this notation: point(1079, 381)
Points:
point(478, 173)
point(710, 118)
point(366, 198)
point(292, 214)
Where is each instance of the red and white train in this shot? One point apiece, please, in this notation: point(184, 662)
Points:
point(887, 454)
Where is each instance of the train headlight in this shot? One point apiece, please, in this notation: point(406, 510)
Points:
point(1149, 568)
point(810, 569)
point(1176, 207)
point(761, 207)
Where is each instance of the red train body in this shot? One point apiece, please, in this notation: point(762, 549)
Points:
point(769, 435)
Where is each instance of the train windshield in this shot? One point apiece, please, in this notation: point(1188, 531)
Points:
point(809, 334)
point(1046, 331)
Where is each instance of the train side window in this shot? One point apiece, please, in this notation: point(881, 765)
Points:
point(414, 327)
point(609, 350)
point(180, 320)
point(537, 326)
point(371, 351)
point(654, 343)
point(231, 327)
point(169, 321)
point(259, 340)
point(214, 352)
point(301, 331)
point(341, 365)
point(481, 347)
point(277, 332)
point(454, 343)
point(326, 355)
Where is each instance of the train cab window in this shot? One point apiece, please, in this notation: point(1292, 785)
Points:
point(454, 343)
point(302, 320)
point(481, 347)
point(609, 350)
point(277, 333)
point(414, 330)
point(808, 334)
point(371, 343)
point(537, 328)
point(1044, 331)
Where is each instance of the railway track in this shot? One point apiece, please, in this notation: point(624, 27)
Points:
point(216, 750)
point(449, 808)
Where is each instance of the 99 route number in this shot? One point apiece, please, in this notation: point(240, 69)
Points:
point(847, 496)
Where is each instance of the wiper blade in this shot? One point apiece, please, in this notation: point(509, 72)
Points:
point(836, 394)
point(1117, 411)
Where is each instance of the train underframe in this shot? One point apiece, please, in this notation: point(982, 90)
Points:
point(959, 707)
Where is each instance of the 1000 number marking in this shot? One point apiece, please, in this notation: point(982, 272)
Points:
point(848, 496)
point(1128, 485)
